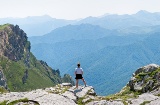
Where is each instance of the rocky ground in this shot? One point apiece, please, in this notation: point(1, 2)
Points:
point(62, 95)
point(142, 89)
point(58, 95)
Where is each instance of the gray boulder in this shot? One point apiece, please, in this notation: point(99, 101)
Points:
point(148, 68)
point(144, 97)
point(141, 76)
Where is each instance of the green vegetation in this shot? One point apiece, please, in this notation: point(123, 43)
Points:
point(79, 102)
point(67, 78)
point(2, 27)
point(124, 94)
point(145, 102)
point(125, 103)
point(16, 101)
point(22, 70)
point(158, 95)
point(65, 89)
point(150, 74)
point(38, 77)
point(3, 103)
point(147, 76)
point(25, 100)
point(2, 90)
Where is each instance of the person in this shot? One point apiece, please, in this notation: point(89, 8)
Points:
point(78, 74)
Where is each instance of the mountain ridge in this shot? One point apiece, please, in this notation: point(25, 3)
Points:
point(20, 70)
point(44, 24)
point(76, 32)
point(105, 57)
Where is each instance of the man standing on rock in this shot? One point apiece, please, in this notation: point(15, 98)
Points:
point(78, 74)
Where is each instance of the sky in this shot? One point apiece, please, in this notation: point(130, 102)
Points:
point(74, 9)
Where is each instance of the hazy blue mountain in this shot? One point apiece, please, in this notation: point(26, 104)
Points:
point(152, 18)
point(110, 68)
point(140, 30)
point(108, 57)
point(77, 32)
point(56, 53)
point(114, 21)
point(103, 59)
point(37, 25)
point(40, 25)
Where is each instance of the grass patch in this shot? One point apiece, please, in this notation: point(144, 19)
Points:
point(65, 89)
point(142, 74)
point(124, 94)
point(158, 95)
point(4, 103)
point(14, 72)
point(79, 101)
point(2, 90)
point(154, 72)
point(16, 101)
point(145, 102)
point(125, 103)
point(2, 27)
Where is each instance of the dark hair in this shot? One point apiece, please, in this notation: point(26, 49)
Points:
point(78, 64)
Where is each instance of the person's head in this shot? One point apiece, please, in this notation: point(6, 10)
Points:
point(78, 65)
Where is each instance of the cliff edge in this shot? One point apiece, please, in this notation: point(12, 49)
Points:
point(19, 68)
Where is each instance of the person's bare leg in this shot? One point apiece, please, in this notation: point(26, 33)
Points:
point(84, 81)
point(77, 83)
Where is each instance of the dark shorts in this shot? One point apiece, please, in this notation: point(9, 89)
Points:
point(78, 76)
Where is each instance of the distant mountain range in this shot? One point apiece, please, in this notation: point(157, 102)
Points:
point(108, 56)
point(36, 25)
point(113, 21)
point(40, 25)
point(73, 32)
point(109, 48)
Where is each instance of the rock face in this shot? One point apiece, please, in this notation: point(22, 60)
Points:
point(19, 68)
point(13, 42)
point(146, 69)
point(2, 80)
point(145, 79)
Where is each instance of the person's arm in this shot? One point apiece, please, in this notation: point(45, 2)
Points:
point(82, 71)
point(75, 72)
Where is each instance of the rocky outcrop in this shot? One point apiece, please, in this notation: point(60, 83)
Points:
point(3, 81)
point(25, 76)
point(21, 69)
point(13, 42)
point(146, 69)
point(145, 79)
point(142, 89)
point(147, 98)
point(58, 95)
point(39, 96)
